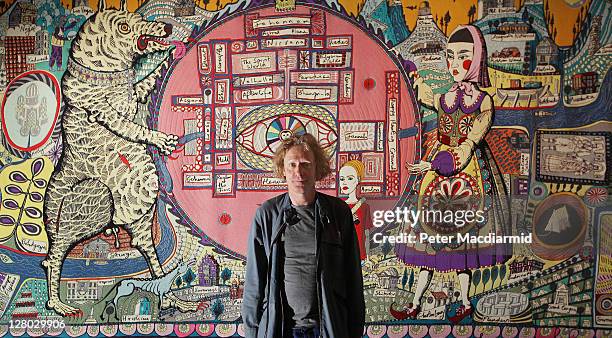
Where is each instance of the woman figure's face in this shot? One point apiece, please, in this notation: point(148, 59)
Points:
point(348, 180)
point(459, 56)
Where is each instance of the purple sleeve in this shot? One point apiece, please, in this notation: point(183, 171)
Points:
point(444, 163)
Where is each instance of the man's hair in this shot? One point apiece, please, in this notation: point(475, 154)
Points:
point(309, 143)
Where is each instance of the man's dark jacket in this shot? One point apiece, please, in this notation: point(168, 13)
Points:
point(339, 282)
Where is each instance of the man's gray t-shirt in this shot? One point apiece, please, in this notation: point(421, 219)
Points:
point(300, 268)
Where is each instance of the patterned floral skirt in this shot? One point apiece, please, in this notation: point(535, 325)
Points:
point(456, 209)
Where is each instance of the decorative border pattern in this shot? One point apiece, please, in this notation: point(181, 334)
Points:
point(377, 331)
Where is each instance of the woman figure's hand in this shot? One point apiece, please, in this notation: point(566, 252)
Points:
point(424, 93)
point(418, 168)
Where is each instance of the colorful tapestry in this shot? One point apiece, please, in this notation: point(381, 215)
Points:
point(137, 139)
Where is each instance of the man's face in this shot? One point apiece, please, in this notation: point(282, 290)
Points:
point(300, 170)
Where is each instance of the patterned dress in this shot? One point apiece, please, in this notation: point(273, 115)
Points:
point(463, 178)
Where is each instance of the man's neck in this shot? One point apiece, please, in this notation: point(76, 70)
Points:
point(299, 199)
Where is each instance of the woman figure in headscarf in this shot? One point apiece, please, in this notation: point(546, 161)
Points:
point(458, 174)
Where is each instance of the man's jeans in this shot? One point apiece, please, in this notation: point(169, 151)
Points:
point(311, 332)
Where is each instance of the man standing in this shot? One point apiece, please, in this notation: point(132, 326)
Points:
point(303, 276)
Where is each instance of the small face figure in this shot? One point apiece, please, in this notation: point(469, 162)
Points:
point(459, 56)
point(300, 170)
point(285, 134)
point(348, 180)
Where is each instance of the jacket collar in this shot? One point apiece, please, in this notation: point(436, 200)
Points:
point(287, 212)
point(322, 206)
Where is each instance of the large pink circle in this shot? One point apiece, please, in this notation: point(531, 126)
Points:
point(370, 61)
